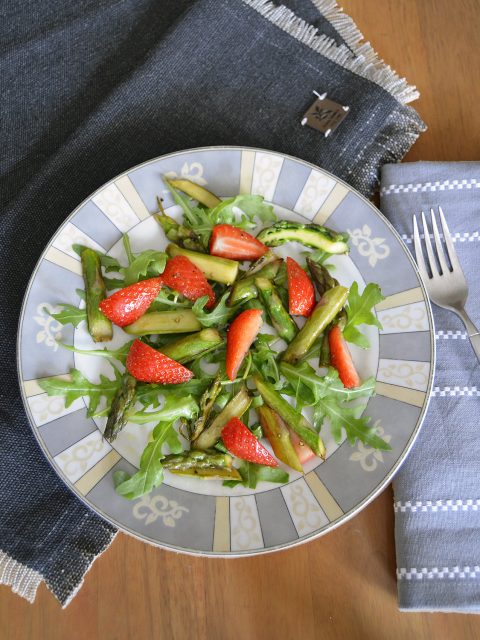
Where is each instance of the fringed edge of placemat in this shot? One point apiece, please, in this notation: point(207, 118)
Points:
point(79, 585)
point(360, 58)
point(22, 580)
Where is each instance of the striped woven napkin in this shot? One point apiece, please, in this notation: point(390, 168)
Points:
point(437, 491)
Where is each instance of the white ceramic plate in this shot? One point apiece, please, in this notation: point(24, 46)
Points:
point(204, 517)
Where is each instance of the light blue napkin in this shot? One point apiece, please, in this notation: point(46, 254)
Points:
point(437, 490)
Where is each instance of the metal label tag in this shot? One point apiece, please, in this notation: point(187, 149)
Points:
point(325, 115)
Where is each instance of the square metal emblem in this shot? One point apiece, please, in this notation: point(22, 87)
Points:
point(325, 115)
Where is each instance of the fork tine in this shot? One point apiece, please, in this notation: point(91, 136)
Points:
point(418, 250)
point(438, 243)
point(428, 244)
point(452, 254)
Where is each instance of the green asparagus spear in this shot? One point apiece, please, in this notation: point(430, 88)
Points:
point(279, 437)
point(321, 277)
point(281, 320)
point(196, 192)
point(293, 418)
point(219, 269)
point(178, 233)
point(341, 319)
point(245, 288)
point(310, 235)
point(257, 266)
point(99, 326)
point(160, 322)
point(202, 463)
point(117, 418)
point(331, 303)
point(190, 347)
point(206, 405)
point(234, 409)
point(324, 360)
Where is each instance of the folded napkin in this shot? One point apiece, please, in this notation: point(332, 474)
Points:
point(437, 490)
point(96, 86)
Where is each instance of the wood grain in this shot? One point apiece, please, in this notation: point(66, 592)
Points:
point(342, 585)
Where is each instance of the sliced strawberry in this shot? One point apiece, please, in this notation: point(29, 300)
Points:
point(341, 358)
point(230, 242)
point(240, 441)
point(149, 365)
point(128, 304)
point(301, 294)
point(241, 334)
point(304, 452)
point(183, 276)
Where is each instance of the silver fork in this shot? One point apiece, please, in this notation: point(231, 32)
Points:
point(446, 286)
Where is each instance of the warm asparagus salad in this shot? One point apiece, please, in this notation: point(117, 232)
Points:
point(236, 357)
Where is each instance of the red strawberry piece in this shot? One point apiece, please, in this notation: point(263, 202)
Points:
point(241, 334)
point(149, 365)
point(240, 441)
point(183, 276)
point(128, 304)
point(230, 242)
point(304, 452)
point(301, 294)
point(341, 358)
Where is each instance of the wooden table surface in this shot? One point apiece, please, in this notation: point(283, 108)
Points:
point(343, 584)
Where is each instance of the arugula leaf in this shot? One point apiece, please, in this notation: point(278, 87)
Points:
point(265, 359)
point(119, 354)
point(78, 386)
point(147, 264)
point(69, 314)
point(220, 314)
point(319, 256)
point(253, 473)
point(114, 283)
point(242, 210)
point(167, 298)
point(151, 395)
point(150, 473)
point(342, 417)
point(312, 387)
point(173, 408)
point(359, 311)
point(330, 400)
point(81, 294)
point(173, 442)
point(128, 248)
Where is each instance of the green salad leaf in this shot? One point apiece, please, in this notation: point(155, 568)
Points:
point(173, 408)
point(150, 473)
point(147, 264)
point(243, 211)
point(219, 316)
point(253, 473)
point(68, 315)
point(265, 359)
point(329, 398)
point(152, 395)
point(343, 417)
point(119, 354)
point(359, 311)
point(78, 386)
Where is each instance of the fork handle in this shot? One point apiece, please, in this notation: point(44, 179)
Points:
point(472, 331)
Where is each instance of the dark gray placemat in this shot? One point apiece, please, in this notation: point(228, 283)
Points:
point(94, 87)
